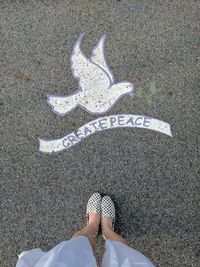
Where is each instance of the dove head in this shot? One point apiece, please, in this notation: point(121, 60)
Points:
point(128, 88)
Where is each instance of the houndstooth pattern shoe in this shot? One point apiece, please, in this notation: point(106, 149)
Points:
point(93, 205)
point(108, 209)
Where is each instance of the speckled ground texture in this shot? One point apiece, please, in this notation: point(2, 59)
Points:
point(153, 178)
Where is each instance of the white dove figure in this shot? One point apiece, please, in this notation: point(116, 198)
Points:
point(97, 91)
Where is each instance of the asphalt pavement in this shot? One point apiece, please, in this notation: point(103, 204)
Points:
point(153, 178)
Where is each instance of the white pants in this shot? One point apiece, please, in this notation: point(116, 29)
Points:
point(78, 253)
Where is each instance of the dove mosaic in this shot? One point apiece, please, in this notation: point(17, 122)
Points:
point(97, 91)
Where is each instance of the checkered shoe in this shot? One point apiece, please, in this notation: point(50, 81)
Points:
point(93, 205)
point(108, 208)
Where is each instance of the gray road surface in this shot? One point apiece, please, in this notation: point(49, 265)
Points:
point(152, 178)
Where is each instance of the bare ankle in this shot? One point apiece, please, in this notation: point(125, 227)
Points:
point(93, 227)
point(107, 222)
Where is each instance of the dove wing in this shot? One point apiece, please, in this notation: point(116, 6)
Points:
point(99, 58)
point(89, 75)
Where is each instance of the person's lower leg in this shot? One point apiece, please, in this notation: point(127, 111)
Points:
point(90, 230)
point(108, 233)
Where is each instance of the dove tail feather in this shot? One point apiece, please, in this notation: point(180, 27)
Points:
point(63, 105)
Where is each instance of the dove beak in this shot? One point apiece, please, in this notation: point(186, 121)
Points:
point(132, 92)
